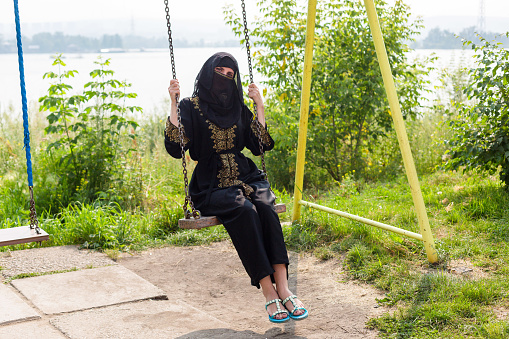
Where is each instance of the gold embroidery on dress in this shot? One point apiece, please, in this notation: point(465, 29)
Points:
point(172, 132)
point(229, 173)
point(223, 137)
point(196, 103)
point(224, 140)
point(265, 135)
point(247, 189)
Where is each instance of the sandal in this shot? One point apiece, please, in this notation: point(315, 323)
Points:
point(279, 311)
point(295, 307)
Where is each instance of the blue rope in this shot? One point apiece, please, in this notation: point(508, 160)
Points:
point(23, 96)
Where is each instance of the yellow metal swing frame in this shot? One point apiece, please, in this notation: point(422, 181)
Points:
point(425, 234)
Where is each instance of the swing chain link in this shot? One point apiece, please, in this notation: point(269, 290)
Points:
point(194, 212)
point(34, 222)
point(187, 214)
point(170, 39)
point(251, 80)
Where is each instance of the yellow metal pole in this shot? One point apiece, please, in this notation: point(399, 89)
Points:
point(381, 225)
point(304, 108)
point(399, 124)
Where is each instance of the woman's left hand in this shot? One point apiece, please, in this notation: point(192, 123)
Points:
point(254, 93)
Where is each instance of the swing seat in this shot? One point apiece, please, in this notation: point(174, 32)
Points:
point(21, 235)
point(213, 220)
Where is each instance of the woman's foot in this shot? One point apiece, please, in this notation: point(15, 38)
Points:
point(295, 310)
point(269, 292)
point(273, 307)
point(281, 314)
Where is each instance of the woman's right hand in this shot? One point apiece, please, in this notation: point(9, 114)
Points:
point(174, 90)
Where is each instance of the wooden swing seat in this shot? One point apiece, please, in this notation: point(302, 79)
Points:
point(213, 220)
point(21, 235)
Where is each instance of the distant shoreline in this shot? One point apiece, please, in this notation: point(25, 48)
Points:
point(158, 50)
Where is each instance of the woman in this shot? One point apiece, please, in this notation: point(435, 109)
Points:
point(217, 127)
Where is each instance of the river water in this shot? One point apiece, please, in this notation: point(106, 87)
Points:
point(149, 72)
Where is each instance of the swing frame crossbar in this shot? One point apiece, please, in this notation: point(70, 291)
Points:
point(425, 234)
point(378, 224)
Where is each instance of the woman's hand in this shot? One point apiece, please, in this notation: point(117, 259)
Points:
point(254, 93)
point(174, 90)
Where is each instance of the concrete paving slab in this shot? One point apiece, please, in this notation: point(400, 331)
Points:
point(31, 329)
point(13, 308)
point(81, 290)
point(146, 319)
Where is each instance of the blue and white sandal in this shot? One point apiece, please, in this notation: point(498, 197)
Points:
point(279, 311)
point(295, 308)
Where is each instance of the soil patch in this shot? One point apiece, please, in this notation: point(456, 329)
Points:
point(211, 279)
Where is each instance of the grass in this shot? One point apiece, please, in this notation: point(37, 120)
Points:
point(470, 221)
point(38, 274)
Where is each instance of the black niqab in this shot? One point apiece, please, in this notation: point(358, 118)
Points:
point(220, 96)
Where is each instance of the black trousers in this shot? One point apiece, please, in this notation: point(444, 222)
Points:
point(253, 226)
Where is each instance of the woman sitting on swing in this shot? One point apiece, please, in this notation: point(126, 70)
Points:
point(217, 127)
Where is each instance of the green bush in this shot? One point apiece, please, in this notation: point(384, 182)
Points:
point(481, 130)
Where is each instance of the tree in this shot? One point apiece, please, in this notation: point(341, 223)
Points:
point(481, 131)
point(349, 110)
point(437, 39)
point(111, 41)
point(444, 39)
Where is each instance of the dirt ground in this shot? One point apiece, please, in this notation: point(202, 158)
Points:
point(207, 279)
point(211, 279)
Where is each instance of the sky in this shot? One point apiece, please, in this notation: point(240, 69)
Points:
point(210, 11)
point(493, 8)
point(68, 10)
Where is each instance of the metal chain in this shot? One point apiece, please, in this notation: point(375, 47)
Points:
point(34, 222)
point(194, 212)
point(170, 39)
point(251, 80)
